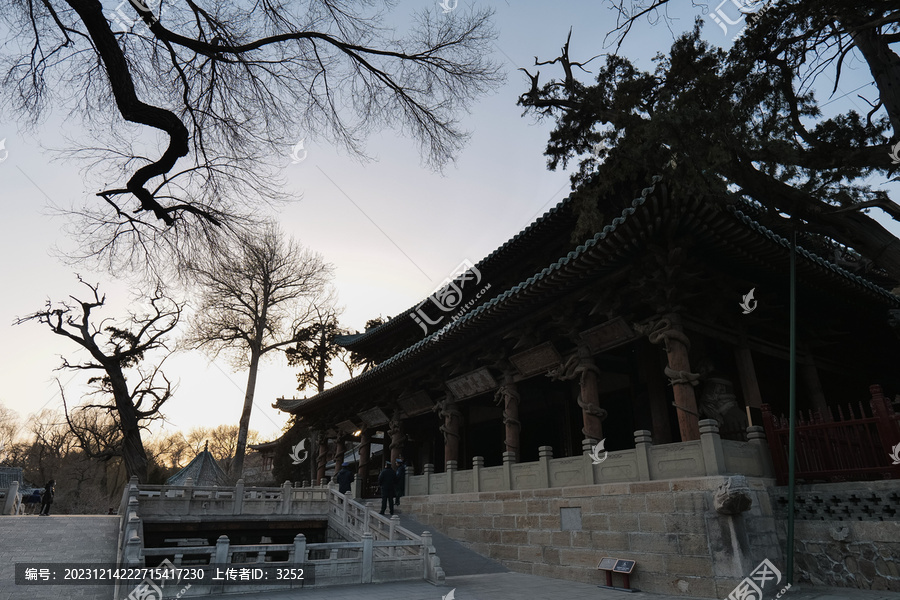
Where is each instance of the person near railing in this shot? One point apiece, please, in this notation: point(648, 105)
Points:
point(344, 478)
point(47, 498)
point(387, 479)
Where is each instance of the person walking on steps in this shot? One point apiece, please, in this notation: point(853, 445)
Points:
point(344, 478)
point(386, 480)
point(400, 484)
point(47, 498)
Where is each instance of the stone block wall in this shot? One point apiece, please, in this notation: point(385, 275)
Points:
point(681, 544)
point(847, 534)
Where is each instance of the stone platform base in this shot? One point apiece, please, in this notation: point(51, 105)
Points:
point(681, 544)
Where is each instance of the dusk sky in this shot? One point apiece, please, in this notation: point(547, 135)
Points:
point(392, 228)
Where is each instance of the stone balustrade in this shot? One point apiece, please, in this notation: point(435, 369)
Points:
point(710, 455)
point(162, 500)
point(377, 549)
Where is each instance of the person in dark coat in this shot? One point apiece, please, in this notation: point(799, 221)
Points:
point(344, 478)
point(47, 498)
point(400, 484)
point(386, 480)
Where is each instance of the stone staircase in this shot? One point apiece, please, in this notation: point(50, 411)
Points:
point(64, 538)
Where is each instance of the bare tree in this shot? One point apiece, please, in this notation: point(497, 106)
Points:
point(256, 297)
point(227, 85)
point(115, 350)
point(9, 434)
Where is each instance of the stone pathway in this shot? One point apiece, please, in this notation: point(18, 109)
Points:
point(73, 539)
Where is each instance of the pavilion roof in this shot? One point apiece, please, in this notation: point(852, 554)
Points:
point(733, 236)
point(203, 470)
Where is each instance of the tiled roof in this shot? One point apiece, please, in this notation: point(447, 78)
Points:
point(203, 470)
point(601, 254)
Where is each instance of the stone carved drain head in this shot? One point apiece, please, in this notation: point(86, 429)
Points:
point(733, 496)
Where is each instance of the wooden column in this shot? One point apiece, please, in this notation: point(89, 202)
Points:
point(508, 395)
point(589, 398)
point(339, 450)
point(452, 418)
point(365, 455)
point(677, 347)
point(747, 376)
point(657, 398)
point(321, 459)
point(397, 438)
point(813, 385)
point(669, 332)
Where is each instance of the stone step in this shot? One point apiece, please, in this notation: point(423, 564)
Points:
point(456, 559)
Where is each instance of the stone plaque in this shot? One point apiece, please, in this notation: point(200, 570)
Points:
point(607, 563)
point(536, 360)
point(373, 417)
point(570, 518)
point(416, 404)
point(472, 384)
point(608, 335)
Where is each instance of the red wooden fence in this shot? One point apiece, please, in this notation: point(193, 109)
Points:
point(856, 446)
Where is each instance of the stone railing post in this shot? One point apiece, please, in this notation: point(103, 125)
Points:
point(345, 507)
point(392, 533)
point(756, 435)
point(222, 550)
point(509, 458)
point(433, 571)
point(366, 520)
point(299, 552)
point(451, 475)
point(711, 444)
point(427, 472)
point(12, 495)
point(286, 497)
point(642, 441)
point(237, 506)
point(545, 453)
point(133, 548)
point(477, 465)
point(368, 555)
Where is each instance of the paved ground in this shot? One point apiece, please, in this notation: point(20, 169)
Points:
point(470, 576)
point(517, 586)
point(31, 539)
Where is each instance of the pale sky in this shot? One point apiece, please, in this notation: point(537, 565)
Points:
point(392, 229)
